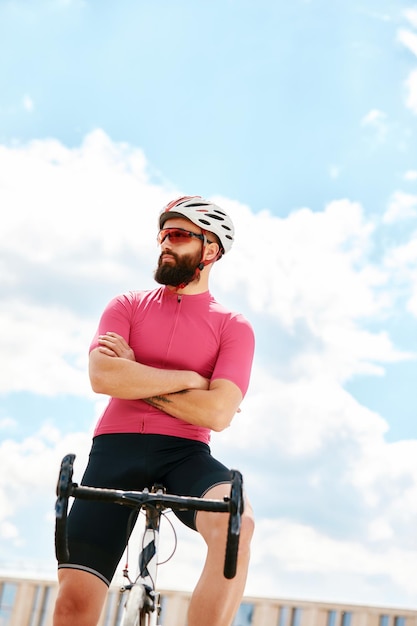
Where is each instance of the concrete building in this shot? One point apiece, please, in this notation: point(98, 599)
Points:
point(25, 602)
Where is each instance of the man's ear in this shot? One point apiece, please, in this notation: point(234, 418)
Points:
point(211, 251)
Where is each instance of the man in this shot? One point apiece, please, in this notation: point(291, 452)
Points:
point(176, 365)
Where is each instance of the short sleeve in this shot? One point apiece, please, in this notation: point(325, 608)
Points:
point(234, 361)
point(116, 318)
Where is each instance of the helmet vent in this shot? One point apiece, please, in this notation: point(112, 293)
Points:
point(194, 204)
point(216, 217)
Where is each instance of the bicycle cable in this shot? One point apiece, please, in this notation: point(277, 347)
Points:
point(130, 526)
point(174, 532)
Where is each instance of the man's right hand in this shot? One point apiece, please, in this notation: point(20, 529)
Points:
point(113, 344)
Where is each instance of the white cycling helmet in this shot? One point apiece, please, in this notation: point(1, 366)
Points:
point(202, 213)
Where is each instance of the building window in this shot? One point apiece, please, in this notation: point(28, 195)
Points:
point(35, 606)
point(44, 606)
point(244, 615)
point(283, 616)
point(384, 620)
point(296, 616)
point(346, 618)
point(287, 617)
point(399, 620)
point(331, 618)
point(7, 597)
point(39, 610)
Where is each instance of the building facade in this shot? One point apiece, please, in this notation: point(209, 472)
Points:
point(25, 602)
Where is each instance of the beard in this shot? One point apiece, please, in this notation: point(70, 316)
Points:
point(181, 272)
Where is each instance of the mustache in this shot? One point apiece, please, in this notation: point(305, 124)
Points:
point(171, 254)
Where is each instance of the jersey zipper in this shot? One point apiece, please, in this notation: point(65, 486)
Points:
point(174, 325)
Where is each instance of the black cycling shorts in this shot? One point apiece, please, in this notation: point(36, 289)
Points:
point(98, 532)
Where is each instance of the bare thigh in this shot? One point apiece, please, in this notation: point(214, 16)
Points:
point(209, 525)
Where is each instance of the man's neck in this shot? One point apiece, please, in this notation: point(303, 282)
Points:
point(194, 287)
point(189, 290)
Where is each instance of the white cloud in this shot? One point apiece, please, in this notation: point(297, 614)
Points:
point(47, 348)
point(374, 116)
point(28, 104)
point(410, 175)
point(408, 39)
point(317, 275)
point(92, 199)
point(8, 531)
point(70, 3)
point(321, 411)
point(7, 424)
point(411, 15)
point(379, 529)
point(299, 549)
point(402, 263)
point(411, 84)
point(401, 206)
point(29, 471)
point(376, 119)
point(388, 477)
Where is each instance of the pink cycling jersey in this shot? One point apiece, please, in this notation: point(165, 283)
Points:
point(170, 331)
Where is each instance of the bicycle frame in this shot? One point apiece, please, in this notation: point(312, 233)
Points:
point(142, 605)
point(145, 593)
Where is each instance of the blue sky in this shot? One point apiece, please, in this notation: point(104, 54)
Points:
point(300, 119)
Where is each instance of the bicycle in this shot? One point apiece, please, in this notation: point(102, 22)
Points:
point(142, 606)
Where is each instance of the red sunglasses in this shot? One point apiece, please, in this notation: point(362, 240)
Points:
point(177, 235)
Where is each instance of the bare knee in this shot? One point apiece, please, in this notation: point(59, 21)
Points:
point(80, 598)
point(213, 527)
point(247, 526)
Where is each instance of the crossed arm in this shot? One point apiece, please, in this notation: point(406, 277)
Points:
point(180, 393)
